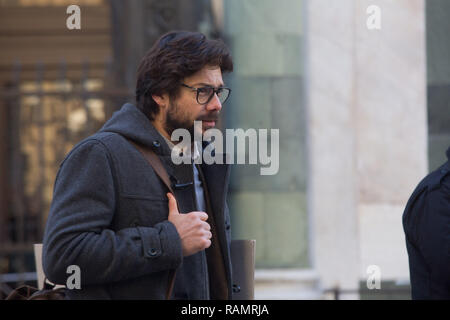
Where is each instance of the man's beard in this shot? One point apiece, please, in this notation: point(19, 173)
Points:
point(175, 120)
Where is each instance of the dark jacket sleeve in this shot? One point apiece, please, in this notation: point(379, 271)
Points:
point(434, 235)
point(78, 227)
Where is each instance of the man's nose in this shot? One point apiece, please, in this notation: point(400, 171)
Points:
point(214, 104)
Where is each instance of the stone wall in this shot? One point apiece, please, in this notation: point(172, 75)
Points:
point(367, 134)
point(438, 75)
point(266, 39)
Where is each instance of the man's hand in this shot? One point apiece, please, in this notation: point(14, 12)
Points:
point(194, 231)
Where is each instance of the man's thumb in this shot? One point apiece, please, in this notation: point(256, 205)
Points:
point(173, 207)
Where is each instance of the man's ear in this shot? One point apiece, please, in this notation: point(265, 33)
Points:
point(161, 100)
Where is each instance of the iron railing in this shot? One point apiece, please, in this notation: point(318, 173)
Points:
point(46, 117)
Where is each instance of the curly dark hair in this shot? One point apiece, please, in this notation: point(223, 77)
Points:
point(174, 56)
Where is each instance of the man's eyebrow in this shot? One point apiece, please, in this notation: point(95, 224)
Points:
point(207, 84)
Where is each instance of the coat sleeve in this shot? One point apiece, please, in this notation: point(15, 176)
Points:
point(435, 239)
point(78, 233)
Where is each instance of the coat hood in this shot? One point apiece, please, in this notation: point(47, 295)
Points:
point(131, 123)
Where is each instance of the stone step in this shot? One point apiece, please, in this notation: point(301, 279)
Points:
point(287, 284)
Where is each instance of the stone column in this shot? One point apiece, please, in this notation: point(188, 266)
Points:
point(266, 40)
point(438, 74)
point(367, 134)
point(391, 129)
point(330, 86)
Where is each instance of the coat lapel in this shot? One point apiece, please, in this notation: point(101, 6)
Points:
point(217, 177)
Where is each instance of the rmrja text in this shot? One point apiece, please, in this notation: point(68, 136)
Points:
point(253, 309)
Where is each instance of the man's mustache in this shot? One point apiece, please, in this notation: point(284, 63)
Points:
point(211, 117)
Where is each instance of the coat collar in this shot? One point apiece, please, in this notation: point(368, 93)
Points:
point(131, 123)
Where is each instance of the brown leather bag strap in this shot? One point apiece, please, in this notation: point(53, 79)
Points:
point(157, 165)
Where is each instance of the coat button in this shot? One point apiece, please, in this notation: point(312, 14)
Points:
point(227, 227)
point(152, 252)
point(236, 288)
point(156, 144)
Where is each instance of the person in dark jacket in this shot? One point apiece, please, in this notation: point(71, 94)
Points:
point(114, 218)
point(426, 222)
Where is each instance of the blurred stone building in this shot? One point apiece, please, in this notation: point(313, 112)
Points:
point(362, 114)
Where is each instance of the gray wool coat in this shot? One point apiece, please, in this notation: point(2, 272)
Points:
point(109, 217)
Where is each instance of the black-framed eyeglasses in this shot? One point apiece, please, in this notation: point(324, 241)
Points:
point(205, 94)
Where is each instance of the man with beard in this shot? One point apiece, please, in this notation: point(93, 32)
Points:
point(116, 219)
